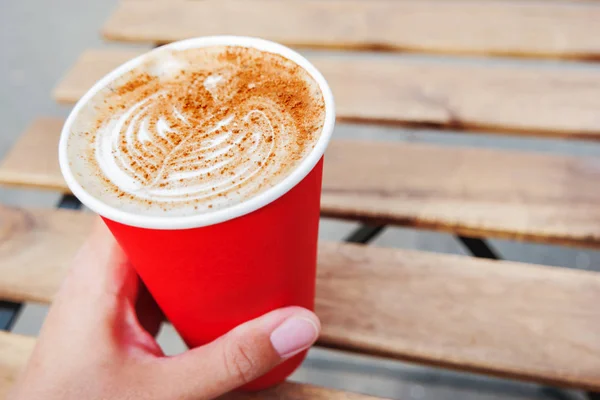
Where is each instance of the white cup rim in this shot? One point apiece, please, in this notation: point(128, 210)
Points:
point(221, 215)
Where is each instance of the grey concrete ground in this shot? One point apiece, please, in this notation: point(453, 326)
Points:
point(41, 39)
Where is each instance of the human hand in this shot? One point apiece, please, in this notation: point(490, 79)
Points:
point(98, 340)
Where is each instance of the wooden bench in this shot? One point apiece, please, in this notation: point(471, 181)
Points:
point(414, 306)
point(506, 319)
point(536, 29)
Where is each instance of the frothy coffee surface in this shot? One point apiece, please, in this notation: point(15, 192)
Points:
point(191, 131)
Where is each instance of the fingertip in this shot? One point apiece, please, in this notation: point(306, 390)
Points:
point(301, 312)
point(291, 329)
point(296, 334)
point(271, 320)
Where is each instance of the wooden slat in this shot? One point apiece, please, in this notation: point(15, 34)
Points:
point(28, 236)
point(295, 391)
point(90, 67)
point(464, 96)
point(467, 191)
point(33, 160)
point(508, 319)
point(15, 350)
point(538, 28)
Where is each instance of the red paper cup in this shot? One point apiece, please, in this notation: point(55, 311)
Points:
point(214, 271)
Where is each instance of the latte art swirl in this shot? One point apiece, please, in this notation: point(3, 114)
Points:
point(199, 129)
point(154, 159)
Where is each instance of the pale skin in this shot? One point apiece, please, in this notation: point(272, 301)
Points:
point(98, 340)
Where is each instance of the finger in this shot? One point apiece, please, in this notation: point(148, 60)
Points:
point(242, 355)
point(106, 281)
point(103, 264)
point(101, 268)
point(99, 282)
point(93, 299)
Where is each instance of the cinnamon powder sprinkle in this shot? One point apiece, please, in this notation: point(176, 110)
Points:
point(256, 90)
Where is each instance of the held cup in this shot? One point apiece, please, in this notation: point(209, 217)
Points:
point(212, 271)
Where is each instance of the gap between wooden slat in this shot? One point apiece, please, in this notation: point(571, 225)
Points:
point(553, 102)
point(515, 28)
point(501, 318)
point(467, 191)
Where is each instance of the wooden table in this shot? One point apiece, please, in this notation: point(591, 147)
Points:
point(483, 315)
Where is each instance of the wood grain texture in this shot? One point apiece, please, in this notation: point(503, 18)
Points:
point(34, 157)
point(507, 319)
point(31, 237)
point(296, 391)
point(467, 191)
point(89, 68)
point(518, 28)
point(15, 350)
point(462, 96)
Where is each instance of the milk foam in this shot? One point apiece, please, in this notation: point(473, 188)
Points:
point(193, 130)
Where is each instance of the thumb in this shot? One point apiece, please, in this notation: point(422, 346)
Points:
point(242, 355)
